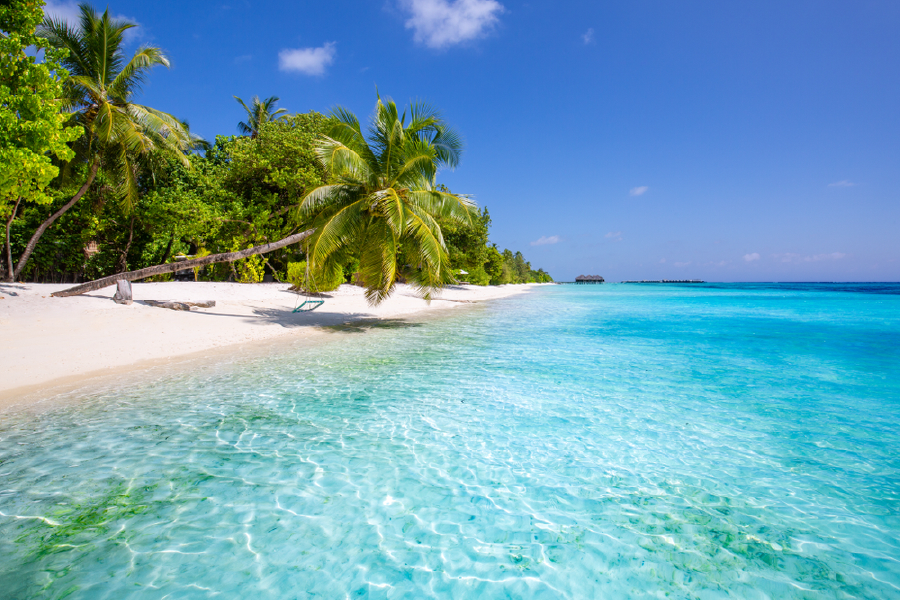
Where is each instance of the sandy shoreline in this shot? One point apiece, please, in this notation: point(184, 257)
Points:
point(49, 342)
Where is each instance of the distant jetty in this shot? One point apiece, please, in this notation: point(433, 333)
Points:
point(667, 281)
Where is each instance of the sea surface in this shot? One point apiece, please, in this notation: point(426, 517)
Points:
point(608, 441)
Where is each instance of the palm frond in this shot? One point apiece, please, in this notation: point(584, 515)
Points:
point(444, 205)
point(342, 161)
point(328, 195)
point(333, 232)
point(378, 262)
point(129, 80)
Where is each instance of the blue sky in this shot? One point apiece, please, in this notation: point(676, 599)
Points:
point(754, 141)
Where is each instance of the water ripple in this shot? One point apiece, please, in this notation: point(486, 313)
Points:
point(615, 443)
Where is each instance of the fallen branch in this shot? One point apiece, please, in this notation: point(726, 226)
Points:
point(103, 282)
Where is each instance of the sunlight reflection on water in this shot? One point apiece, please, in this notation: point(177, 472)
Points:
point(622, 441)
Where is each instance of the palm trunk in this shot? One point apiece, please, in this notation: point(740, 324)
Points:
point(9, 262)
point(29, 248)
point(180, 266)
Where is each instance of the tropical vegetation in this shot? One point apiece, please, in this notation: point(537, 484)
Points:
point(93, 183)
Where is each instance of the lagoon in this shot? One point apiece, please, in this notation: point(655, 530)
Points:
point(615, 441)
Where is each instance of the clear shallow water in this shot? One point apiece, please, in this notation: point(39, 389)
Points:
point(617, 441)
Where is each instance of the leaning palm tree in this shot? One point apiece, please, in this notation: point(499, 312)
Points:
point(119, 133)
point(381, 203)
point(258, 114)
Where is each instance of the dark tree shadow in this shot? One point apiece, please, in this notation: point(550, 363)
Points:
point(329, 321)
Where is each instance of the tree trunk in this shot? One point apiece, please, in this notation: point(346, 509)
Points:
point(29, 248)
point(123, 258)
point(9, 263)
point(185, 264)
point(168, 249)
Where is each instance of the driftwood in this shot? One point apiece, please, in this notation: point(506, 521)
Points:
point(181, 305)
point(103, 282)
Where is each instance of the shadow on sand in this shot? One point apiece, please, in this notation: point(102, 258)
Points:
point(328, 321)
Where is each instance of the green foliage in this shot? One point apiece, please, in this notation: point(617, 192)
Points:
point(258, 114)
point(513, 268)
point(248, 270)
point(371, 196)
point(101, 86)
point(467, 244)
point(279, 166)
point(296, 274)
point(380, 204)
point(32, 127)
point(316, 282)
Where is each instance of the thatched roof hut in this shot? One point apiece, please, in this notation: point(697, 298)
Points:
point(589, 279)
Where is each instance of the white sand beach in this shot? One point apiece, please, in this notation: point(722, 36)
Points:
point(46, 341)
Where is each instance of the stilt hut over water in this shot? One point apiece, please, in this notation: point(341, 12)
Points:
point(589, 279)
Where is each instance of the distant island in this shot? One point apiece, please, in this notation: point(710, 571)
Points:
point(667, 281)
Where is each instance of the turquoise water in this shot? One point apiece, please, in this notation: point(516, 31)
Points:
point(615, 441)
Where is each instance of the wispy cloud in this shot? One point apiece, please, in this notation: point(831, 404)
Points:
point(720, 263)
point(751, 257)
point(63, 11)
point(309, 61)
point(615, 236)
point(842, 183)
point(638, 191)
point(443, 23)
point(544, 240)
point(682, 264)
point(243, 59)
point(588, 36)
point(790, 257)
point(69, 12)
point(662, 261)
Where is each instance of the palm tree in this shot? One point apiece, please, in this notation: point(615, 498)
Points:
point(258, 114)
point(381, 203)
point(119, 134)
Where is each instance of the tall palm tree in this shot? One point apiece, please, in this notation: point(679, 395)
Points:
point(258, 114)
point(119, 133)
point(381, 203)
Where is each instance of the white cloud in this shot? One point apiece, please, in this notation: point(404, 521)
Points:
point(544, 240)
point(309, 61)
point(63, 11)
point(71, 14)
point(243, 59)
point(790, 257)
point(720, 263)
point(682, 264)
point(638, 191)
point(662, 261)
point(751, 257)
point(843, 183)
point(588, 36)
point(442, 23)
point(615, 236)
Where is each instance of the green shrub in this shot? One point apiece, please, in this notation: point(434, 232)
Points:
point(296, 273)
point(319, 281)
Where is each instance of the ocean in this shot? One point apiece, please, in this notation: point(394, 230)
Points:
point(607, 441)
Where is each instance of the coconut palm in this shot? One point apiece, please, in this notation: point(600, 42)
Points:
point(258, 114)
point(381, 203)
point(119, 133)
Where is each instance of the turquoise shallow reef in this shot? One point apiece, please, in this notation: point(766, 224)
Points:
point(614, 441)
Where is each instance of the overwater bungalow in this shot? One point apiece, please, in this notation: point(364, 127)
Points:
point(589, 279)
